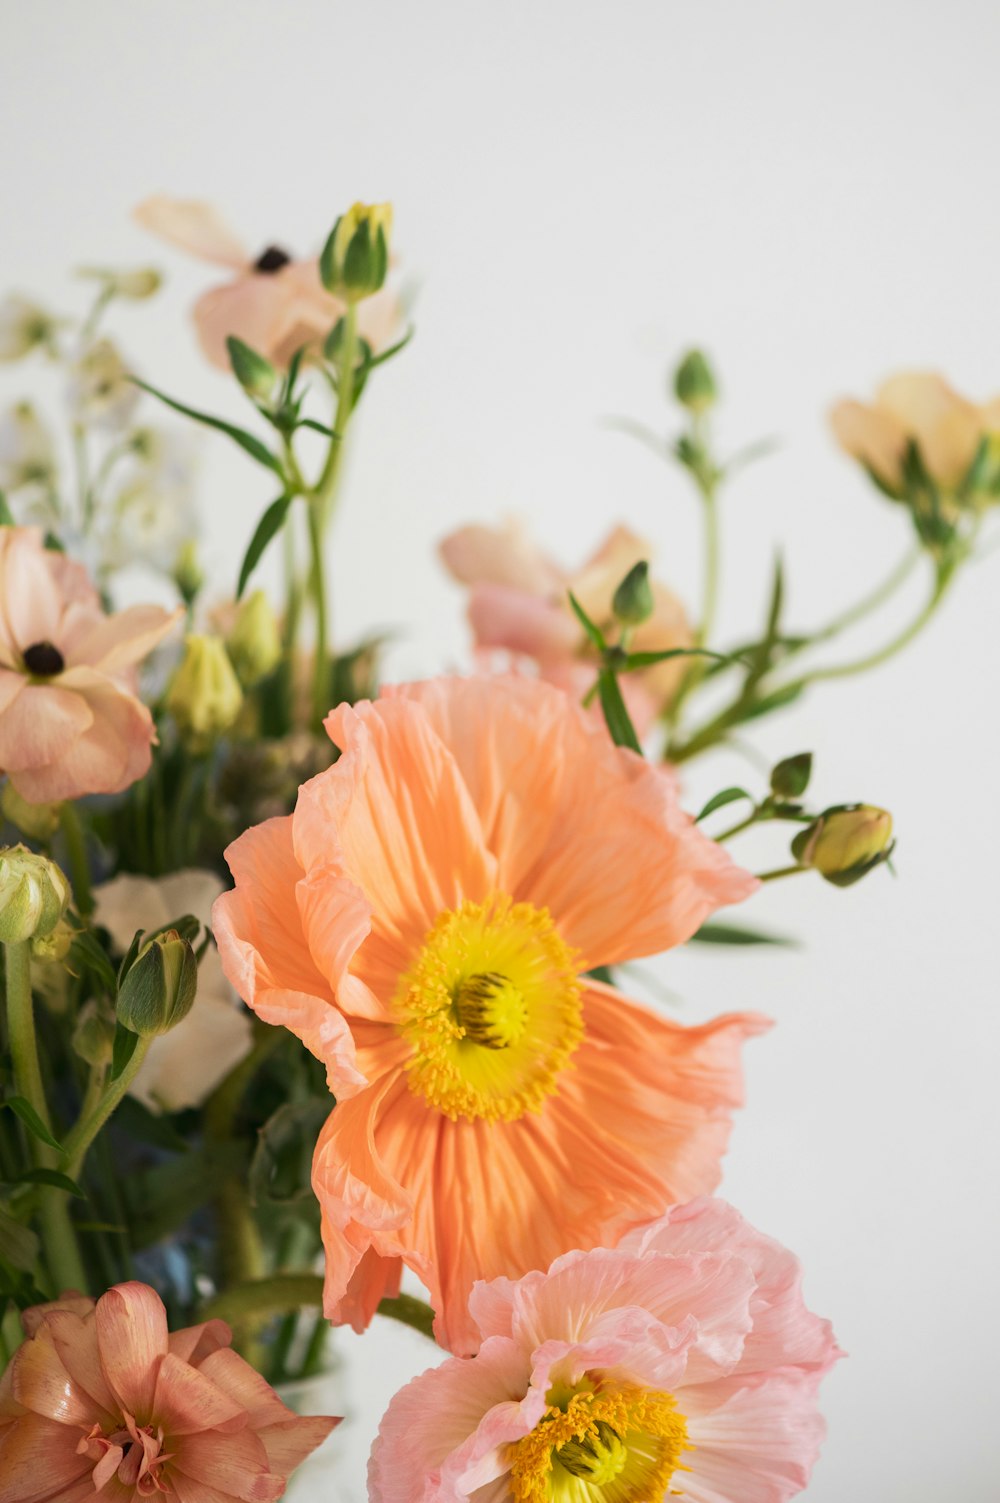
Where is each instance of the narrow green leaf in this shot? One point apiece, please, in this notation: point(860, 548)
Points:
point(270, 523)
point(32, 1121)
point(619, 721)
point(318, 427)
point(393, 349)
point(593, 632)
point(122, 1049)
point(719, 801)
point(51, 1177)
point(247, 441)
point(634, 660)
point(775, 701)
point(736, 934)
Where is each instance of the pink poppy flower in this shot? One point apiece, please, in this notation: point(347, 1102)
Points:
point(102, 1400)
point(683, 1362)
point(518, 603)
point(70, 721)
point(425, 922)
point(274, 303)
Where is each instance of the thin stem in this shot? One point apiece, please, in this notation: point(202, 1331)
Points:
point(82, 1135)
point(326, 486)
point(737, 829)
point(76, 855)
point(782, 871)
point(291, 1291)
point(62, 1254)
point(710, 584)
point(321, 662)
point(868, 603)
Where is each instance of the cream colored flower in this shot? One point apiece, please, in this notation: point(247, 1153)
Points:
point(186, 1064)
point(100, 391)
point(27, 453)
point(23, 326)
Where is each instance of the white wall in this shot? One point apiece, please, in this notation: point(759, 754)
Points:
point(810, 190)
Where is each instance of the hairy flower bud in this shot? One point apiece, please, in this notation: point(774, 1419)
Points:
point(158, 988)
point(254, 644)
point(205, 696)
point(33, 895)
point(355, 259)
point(694, 383)
point(845, 843)
point(633, 601)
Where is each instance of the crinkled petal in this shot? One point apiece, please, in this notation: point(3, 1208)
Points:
point(758, 1446)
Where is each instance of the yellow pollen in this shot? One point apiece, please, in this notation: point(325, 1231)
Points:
point(606, 1444)
point(491, 1008)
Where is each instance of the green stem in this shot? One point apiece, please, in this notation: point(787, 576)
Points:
point(782, 871)
point(76, 855)
point(325, 488)
point(62, 1254)
point(868, 603)
point(291, 1291)
point(82, 1135)
point(737, 829)
point(710, 585)
point(321, 662)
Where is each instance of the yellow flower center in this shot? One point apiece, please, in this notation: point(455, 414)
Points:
point(604, 1444)
point(491, 1007)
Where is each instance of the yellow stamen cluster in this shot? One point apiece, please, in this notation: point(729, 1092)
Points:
point(492, 1009)
point(610, 1444)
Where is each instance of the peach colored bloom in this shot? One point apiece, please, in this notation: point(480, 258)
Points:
point(518, 603)
point(273, 303)
point(70, 722)
point(107, 1402)
point(921, 407)
point(682, 1362)
point(424, 922)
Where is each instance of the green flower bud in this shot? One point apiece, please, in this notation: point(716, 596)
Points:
point(158, 988)
point(188, 575)
point(694, 383)
point(37, 821)
point(633, 600)
point(254, 644)
point(33, 895)
point(256, 375)
point(845, 843)
point(355, 259)
point(94, 1035)
point(205, 696)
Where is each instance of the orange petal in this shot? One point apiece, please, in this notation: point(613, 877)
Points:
point(186, 1400)
point(132, 1335)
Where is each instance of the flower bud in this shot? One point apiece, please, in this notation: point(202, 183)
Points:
point(27, 453)
point(845, 843)
point(33, 895)
point(256, 375)
point(188, 574)
point(37, 821)
point(254, 643)
point(136, 284)
point(23, 326)
point(694, 383)
point(54, 946)
point(633, 601)
point(355, 259)
point(93, 1035)
point(205, 696)
point(158, 988)
point(99, 388)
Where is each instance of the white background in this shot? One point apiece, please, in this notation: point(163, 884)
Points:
point(582, 189)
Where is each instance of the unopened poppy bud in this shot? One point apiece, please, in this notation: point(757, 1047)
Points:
point(158, 988)
point(845, 843)
point(694, 383)
point(37, 821)
point(205, 696)
point(633, 600)
point(254, 643)
point(256, 375)
point(355, 259)
point(33, 895)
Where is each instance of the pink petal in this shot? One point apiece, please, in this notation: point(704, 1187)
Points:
point(37, 1458)
point(758, 1446)
point(235, 1464)
point(506, 555)
point(186, 1400)
point(194, 1343)
point(40, 726)
point(42, 1384)
point(289, 1443)
point(132, 1335)
point(119, 641)
point(245, 1387)
point(195, 226)
point(521, 623)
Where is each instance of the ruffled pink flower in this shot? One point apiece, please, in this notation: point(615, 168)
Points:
point(273, 303)
point(425, 922)
point(102, 1400)
point(70, 721)
point(518, 603)
point(683, 1361)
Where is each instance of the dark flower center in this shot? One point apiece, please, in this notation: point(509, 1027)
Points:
point(43, 659)
point(271, 260)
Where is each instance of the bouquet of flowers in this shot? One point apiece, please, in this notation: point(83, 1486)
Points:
point(311, 981)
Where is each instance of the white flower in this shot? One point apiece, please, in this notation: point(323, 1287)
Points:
point(151, 511)
point(27, 454)
point(186, 1064)
point(23, 325)
point(99, 389)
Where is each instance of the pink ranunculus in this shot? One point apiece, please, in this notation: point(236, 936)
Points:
point(70, 721)
point(519, 604)
point(101, 1400)
point(683, 1362)
point(274, 303)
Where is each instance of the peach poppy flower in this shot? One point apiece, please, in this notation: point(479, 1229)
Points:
point(273, 302)
point(684, 1362)
point(425, 922)
point(518, 602)
point(70, 722)
point(102, 1400)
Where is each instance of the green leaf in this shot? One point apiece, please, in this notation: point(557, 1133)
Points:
point(635, 660)
point(256, 375)
point(138, 1122)
point(619, 721)
point(270, 523)
point(32, 1121)
point(736, 934)
point(50, 1177)
point(394, 349)
point(790, 777)
point(281, 1168)
point(247, 441)
point(720, 800)
point(122, 1050)
point(775, 701)
point(18, 1244)
point(86, 952)
point(6, 516)
point(593, 632)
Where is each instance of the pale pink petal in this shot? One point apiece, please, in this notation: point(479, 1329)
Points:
point(759, 1446)
point(289, 1442)
point(193, 226)
point(195, 1343)
point(132, 1334)
point(124, 639)
point(32, 599)
point(505, 555)
point(37, 1458)
point(235, 1464)
point(187, 1400)
point(512, 619)
point(875, 437)
point(111, 751)
point(40, 726)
